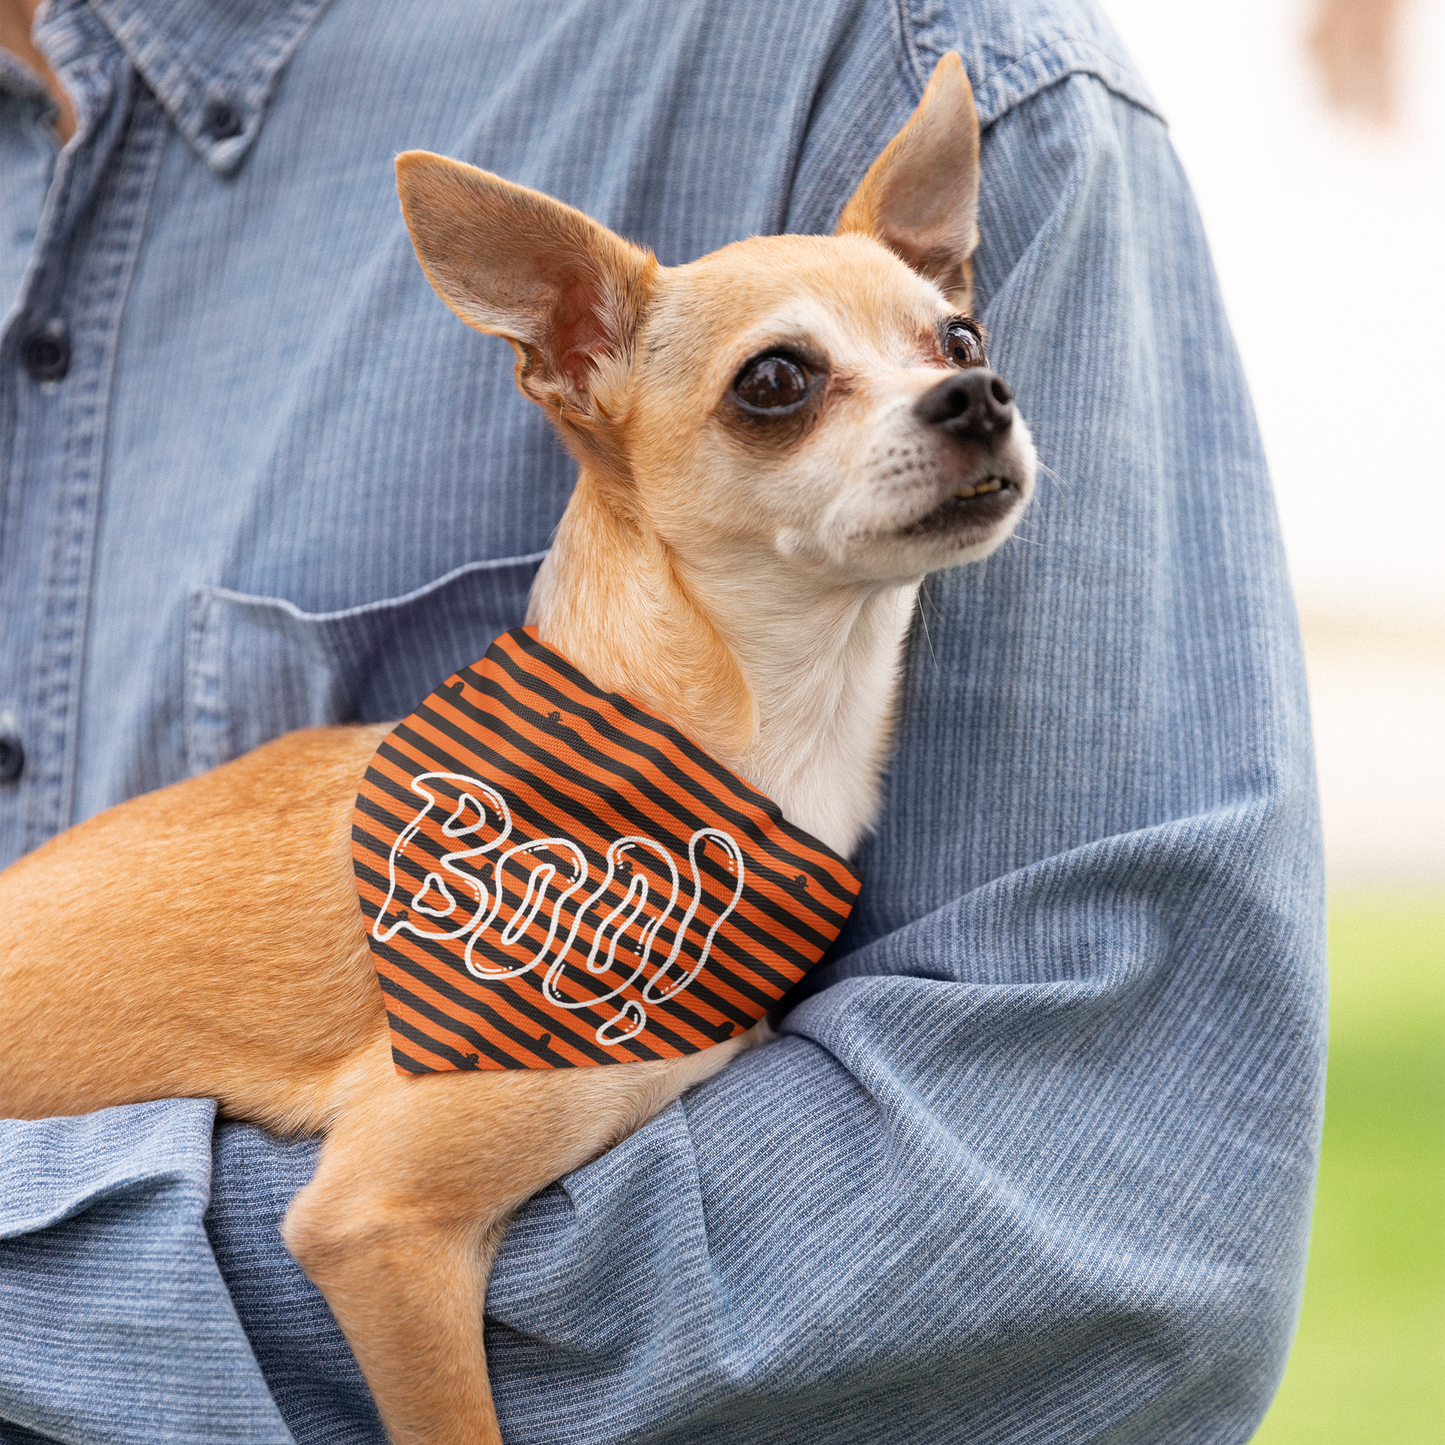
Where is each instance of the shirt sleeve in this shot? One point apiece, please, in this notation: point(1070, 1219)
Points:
point(1034, 1158)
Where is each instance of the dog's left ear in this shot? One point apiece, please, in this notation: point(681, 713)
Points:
point(920, 197)
point(565, 291)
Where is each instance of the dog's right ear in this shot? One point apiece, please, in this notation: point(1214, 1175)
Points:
point(566, 292)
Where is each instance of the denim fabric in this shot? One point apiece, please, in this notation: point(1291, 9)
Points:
point(1033, 1158)
point(98, 1214)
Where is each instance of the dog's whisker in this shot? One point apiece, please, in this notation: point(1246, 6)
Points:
point(932, 601)
point(923, 618)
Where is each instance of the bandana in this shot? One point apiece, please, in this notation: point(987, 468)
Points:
point(553, 876)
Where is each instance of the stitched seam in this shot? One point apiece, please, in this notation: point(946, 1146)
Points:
point(913, 59)
point(1088, 59)
point(1057, 59)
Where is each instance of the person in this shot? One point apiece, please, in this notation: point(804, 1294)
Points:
point(1355, 45)
point(1032, 1157)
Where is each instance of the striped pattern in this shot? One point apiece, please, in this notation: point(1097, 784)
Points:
point(553, 876)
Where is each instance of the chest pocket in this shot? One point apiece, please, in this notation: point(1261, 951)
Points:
point(257, 667)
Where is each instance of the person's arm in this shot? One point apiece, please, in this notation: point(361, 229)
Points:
point(1035, 1159)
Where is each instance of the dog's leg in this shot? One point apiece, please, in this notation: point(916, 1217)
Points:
point(417, 1181)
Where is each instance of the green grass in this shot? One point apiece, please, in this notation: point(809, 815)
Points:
point(1368, 1366)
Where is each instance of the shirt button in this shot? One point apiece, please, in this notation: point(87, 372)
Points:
point(46, 355)
point(12, 759)
point(222, 120)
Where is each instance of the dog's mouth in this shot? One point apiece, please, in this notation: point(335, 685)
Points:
point(972, 504)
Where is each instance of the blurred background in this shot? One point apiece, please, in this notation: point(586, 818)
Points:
point(1313, 132)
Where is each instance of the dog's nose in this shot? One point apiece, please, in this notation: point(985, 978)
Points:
point(974, 405)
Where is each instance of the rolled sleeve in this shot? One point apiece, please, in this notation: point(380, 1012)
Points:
point(115, 1325)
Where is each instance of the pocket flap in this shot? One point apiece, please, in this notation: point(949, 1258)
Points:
point(257, 667)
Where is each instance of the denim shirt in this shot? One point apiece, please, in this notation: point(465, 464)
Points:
point(1033, 1157)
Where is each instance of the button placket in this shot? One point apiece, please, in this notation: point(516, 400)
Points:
point(86, 255)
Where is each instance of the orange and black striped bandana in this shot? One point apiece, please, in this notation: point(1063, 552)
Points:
point(553, 876)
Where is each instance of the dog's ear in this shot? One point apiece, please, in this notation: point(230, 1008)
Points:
point(920, 197)
point(566, 292)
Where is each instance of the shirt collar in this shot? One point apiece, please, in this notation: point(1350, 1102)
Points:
point(212, 64)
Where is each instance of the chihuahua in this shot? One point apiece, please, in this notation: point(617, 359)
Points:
point(776, 443)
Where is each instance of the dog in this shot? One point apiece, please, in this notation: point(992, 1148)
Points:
point(776, 443)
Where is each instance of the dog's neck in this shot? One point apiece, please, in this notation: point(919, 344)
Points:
point(794, 691)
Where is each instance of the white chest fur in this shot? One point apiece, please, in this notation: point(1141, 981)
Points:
point(826, 680)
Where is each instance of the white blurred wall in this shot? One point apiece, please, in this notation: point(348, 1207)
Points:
point(1329, 238)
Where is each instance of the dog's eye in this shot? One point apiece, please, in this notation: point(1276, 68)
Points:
point(963, 342)
point(771, 383)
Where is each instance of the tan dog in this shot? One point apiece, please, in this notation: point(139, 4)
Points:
point(776, 443)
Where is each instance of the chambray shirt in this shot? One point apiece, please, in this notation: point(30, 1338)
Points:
point(1033, 1158)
